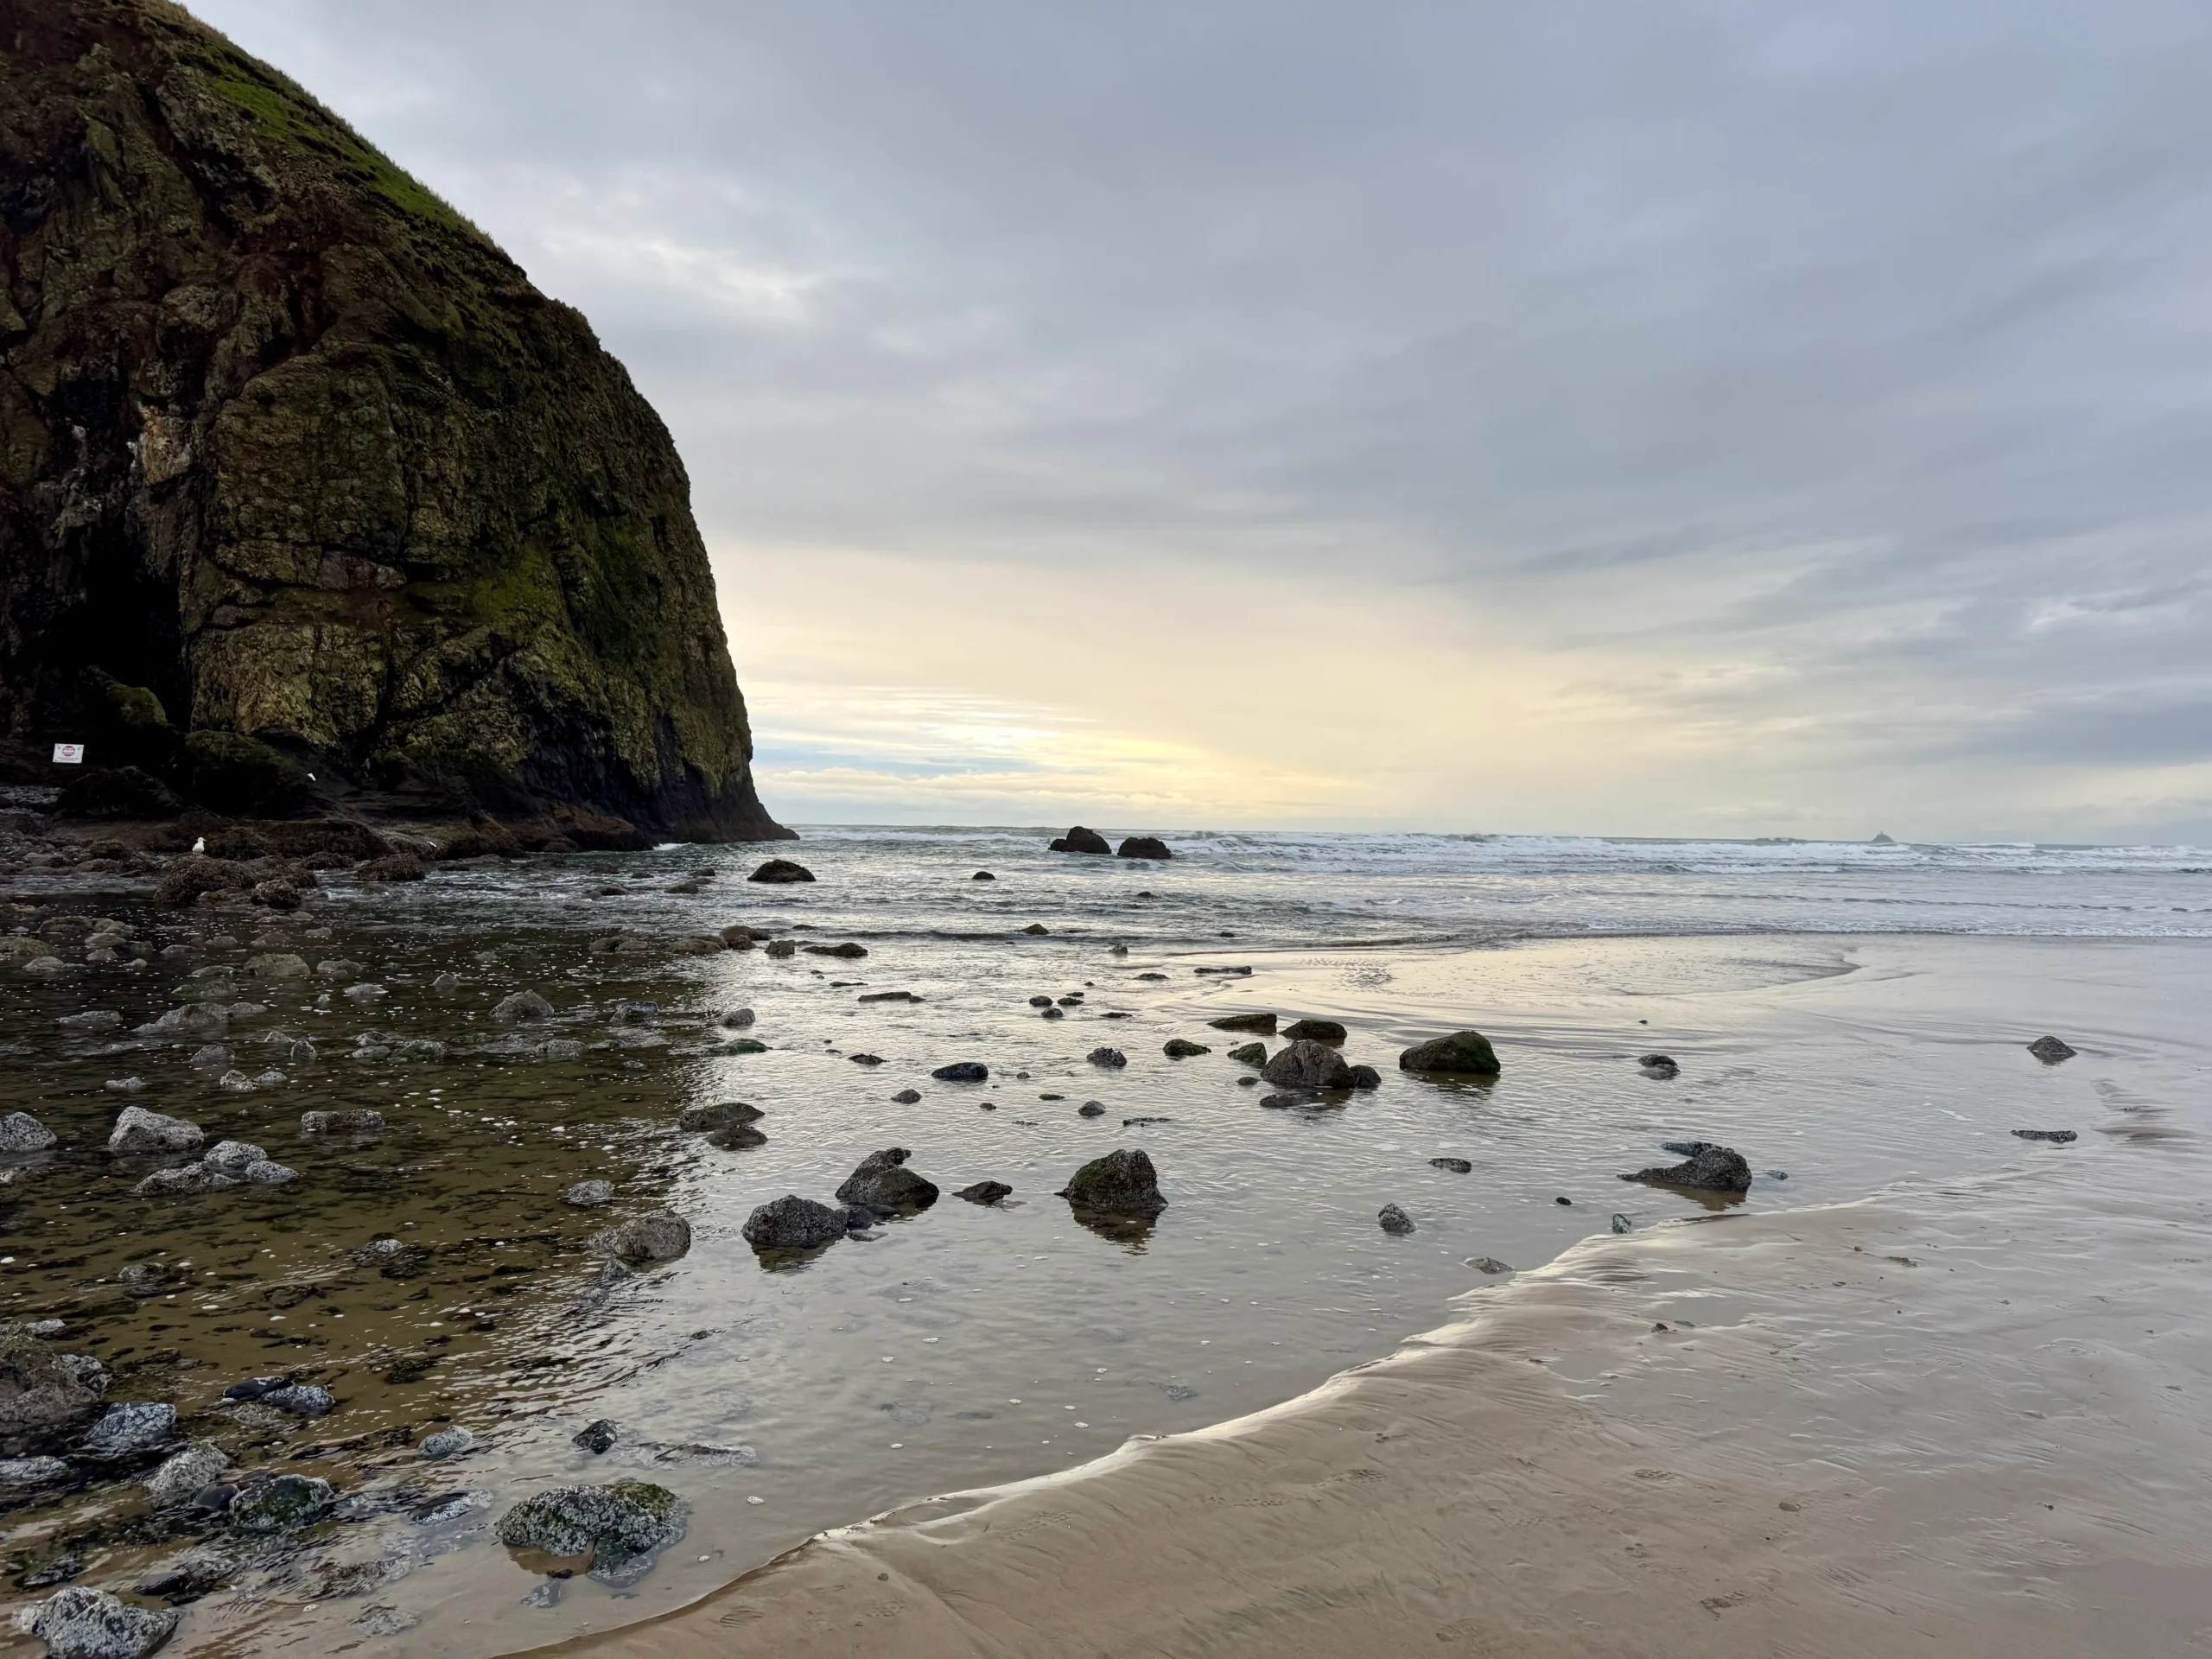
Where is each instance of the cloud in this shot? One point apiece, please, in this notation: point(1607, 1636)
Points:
point(1591, 416)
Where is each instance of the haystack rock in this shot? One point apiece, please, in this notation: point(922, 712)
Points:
point(307, 495)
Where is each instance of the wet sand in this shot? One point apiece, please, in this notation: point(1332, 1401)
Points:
point(1961, 1418)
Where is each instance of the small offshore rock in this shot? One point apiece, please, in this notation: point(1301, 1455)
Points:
point(130, 1426)
point(1712, 1168)
point(1319, 1031)
point(737, 1018)
point(1036, 929)
point(447, 982)
point(1488, 1264)
point(792, 1223)
point(144, 1279)
point(1463, 1052)
point(1142, 847)
point(90, 1019)
point(232, 1157)
point(1264, 1023)
point(1080, 840)
point(20, 1132)
point(1457, 1166)
point(236, 1083)
point(185, 1474)
point(984, 1192)
point(736, 1137)
point(848, 952)
point(1363, 1077)
point(1306, 1063)
point(2051, 1049)
point(81, 1624)
point(721, 1115)
point(982, 875)
point(781, 872)
point(280, 1504)
point(1091, 1109)
point(1658, 1064)
point(884, 1185)
point(865, 1059)
point(657, 1236)
point(521, 1008)
point(355, 1121)
point(302, 1399)
point(1112, 1059)
point(962, 1071)
point(589, 1195)
point(1181, 1048)
point(131, 1085)
point(185, 1181)
point(392, 1257)
point(1250, 1054)
point(780, 949)
point(138, 1129)
point(2057, 1137)
point(906, 1097)
point(1392, 1219)
point(446, 1443)
point(597, 1438)
point(1122, 1183)
point(1622, 1223)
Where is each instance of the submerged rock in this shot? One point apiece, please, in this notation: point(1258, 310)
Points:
point(1091, 1109)
point(44, 1395)
point(1391, 1220)
point(2057, 1137)
point(1264, 1023)
point(1464, 1052)
point(81, 1624)
point(185, 1181)
point(182, 1578)
point(589, 1195)
point(20, 1133)
point(657, 1235)
point(232, 1157)
point(392, 1257)
point(522, 1007)
point(357, 1121)
point(1181, 1048)
point(1712, 1168)
point(1457, 1166)
point(2051, 1049)
point(1122, 1183)
point(884, 1185)
point(722, 1114)
point(280, 1504)
point(792, 1223)
point(1363, 1077)
point(984, 1192)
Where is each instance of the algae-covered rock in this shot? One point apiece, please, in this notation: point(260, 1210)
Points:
point(306, 493)
point(1122, 1183)
point(621, 1527)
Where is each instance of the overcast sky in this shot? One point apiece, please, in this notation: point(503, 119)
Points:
point(1619, 416)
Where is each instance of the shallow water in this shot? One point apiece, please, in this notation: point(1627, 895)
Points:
point(963, 1346)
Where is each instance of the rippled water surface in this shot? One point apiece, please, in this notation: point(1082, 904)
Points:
point(966, 1344)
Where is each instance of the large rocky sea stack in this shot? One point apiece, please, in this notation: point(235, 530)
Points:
point(299, 474)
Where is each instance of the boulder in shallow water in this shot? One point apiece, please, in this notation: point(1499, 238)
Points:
point(44, 1395)
point(81, 1624)
point(138, 1130)
point(521, 1008)
point(906, 1097)
point(589, 1195)
point(1112, 1059)
point(185, 1181)
point(1142, 847)
point(884, 1185)
point(187, 1576)
point(597, 1438)
point(1263, 1023)
point(355, 1121)
point(1181, 1048)
point(2051, 1049)
point(1080, 840)
point(20, 1132)
point(446, 1443)
point(657, 1235)
point(1467, 1052)
point(231, 1157)
point(129, 1427)
point(1308, 1065)
point(185, 1474)
point(1319, 1030)
point(1457, 1166)
point(781, 872)
point(1363, 1077)
point(962, 1071)
point(280, 1504)
point(792, 1223)
point(1250, 1054)
point(1122, 1183)
point(1711, 1168)
point(2056, 1137)
point(985, 1193)
point(721, 1115)
point(1391, 1220)
point(620, 1526)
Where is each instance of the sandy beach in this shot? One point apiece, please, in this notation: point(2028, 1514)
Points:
point(1952, 1418)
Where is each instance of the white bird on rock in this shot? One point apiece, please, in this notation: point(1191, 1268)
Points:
point(200, 845)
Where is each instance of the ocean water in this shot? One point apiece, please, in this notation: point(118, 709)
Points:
point(969, 1345)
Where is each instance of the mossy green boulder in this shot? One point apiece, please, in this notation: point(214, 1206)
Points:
point(291, 455)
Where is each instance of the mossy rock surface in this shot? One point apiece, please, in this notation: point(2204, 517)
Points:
point(291, 453)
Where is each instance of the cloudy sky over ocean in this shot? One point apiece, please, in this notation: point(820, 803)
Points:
point(1600, 415)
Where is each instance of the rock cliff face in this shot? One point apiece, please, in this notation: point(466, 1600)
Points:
point(298, 473)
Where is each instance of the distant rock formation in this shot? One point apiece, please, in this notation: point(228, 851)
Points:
point(306, 494)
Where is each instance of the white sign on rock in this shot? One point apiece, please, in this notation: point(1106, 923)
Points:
point(68, 754)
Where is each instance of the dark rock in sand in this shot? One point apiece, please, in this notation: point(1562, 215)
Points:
point(1181, 1048)
point(2057, 1137)
point(1391, 1220)
point(781, 871)
point(1142, 847)
point(1264, 1023)
point(722, 1113)
point(984, 1192)
point(792, 1223)
point(1122, 1183)
point(1457, 1166)
point(1080, 840)
point(1308, 1065)
point(1711, 1168)
point(657, 1235)
point(962, 1071)
point(1319, 1030)
point(2050, 1050)
point(1463, 1052)
point(81, 1624)
point(522, 1008)
point(883, 1184)
point(1112, 1059)
point(597, 1438)
point(621, 1527)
